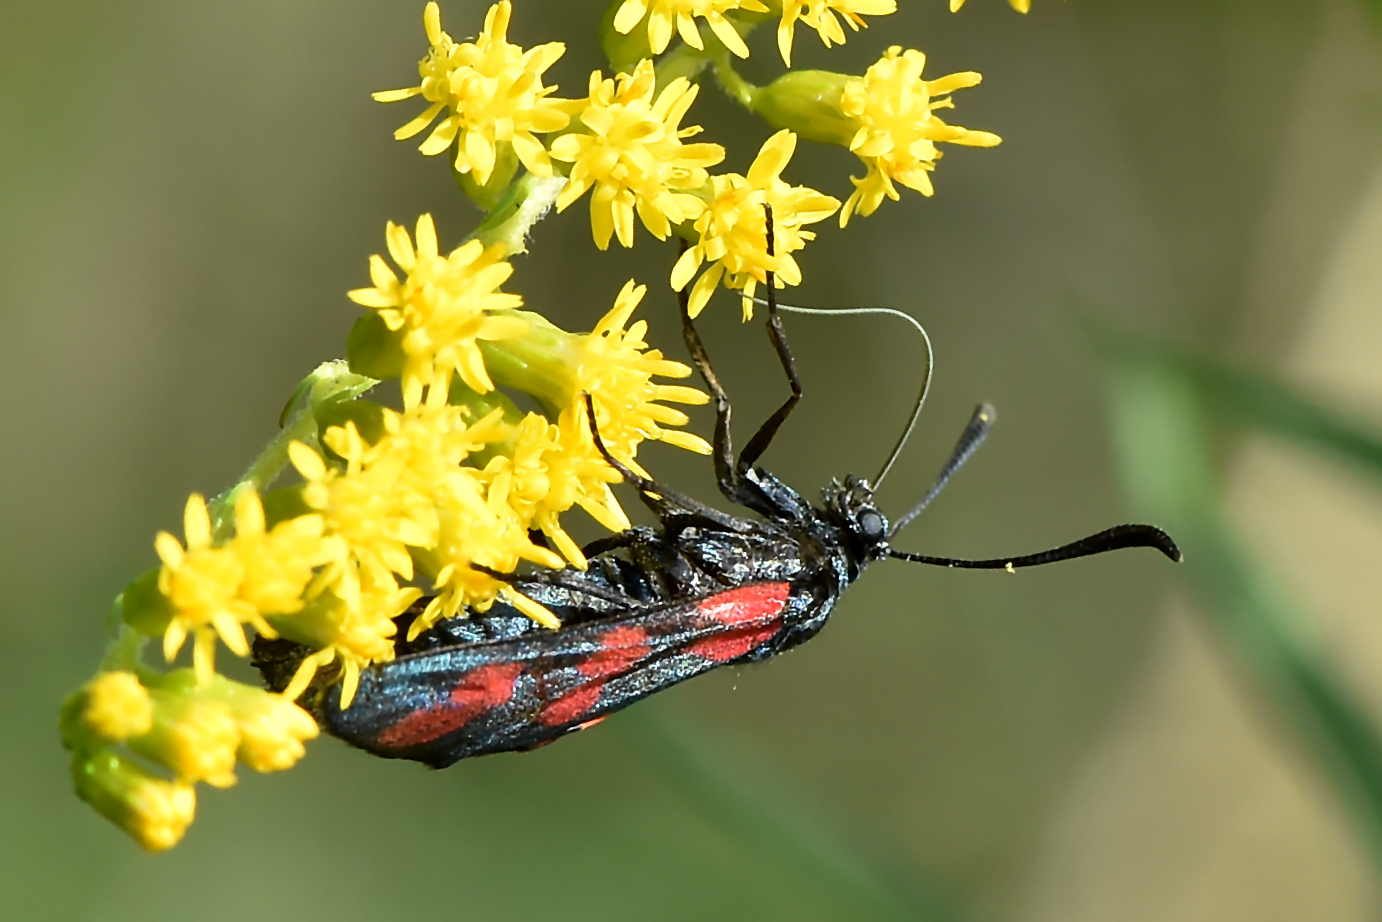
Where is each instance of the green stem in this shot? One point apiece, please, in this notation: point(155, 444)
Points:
point(735, 86)
point(123, 653)
point(524, 204)
point(330, 381)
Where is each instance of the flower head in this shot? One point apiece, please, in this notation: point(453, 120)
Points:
point(665, 15)
point(616, 369)
point(492, 92)
point(820, 15)
point(444, 306)
point(542, 475)
point(195, 736)
point(117, 706)
point(631, 153)
point(357, 632)
point(733, 230)
point(898, 129)
point(215, 590)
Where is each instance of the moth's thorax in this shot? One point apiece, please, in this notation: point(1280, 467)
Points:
point(861, 530)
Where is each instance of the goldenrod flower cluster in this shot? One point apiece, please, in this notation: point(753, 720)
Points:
point(398, 513)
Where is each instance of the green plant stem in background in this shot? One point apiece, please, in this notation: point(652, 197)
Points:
point(1158, 400)
point(774, 823)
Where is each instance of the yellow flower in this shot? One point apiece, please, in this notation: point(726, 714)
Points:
point(278, 564)
point(444, 307)
point(539, 478)
point(272, 728)
point(370, 508)
point(493, 93)
point(358, 633)
point(554, 466)
point(820, 15)
point(663, 15)
point(214, 591)
point(202, 583)
point(613, 365)
point(117, 706)
point(898, 128)
point(632, 154)
point(733, 231)
point(490, 536)
point(616, 368)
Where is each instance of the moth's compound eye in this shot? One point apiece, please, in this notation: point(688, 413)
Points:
point(871, 524)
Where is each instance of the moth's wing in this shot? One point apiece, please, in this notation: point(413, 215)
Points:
point(443, 705)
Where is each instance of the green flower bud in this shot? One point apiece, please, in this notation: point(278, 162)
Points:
point(623, 51)
point(153, 811)
point(808, 103)
point(367, 416)
point(194, 735)
point(490, 193)
point(542, 363)
point(144, 607)
point(283, 504)
point(375, 350)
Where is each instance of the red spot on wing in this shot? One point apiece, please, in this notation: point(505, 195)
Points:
point(479, 690)
point(746, 605)
point(753, 614)
point(621, 649)
point(571, 705)
point(729, 646)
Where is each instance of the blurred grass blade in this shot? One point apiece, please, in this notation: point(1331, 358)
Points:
point(1165, 460)
point(1253, 399)
point(774, 824)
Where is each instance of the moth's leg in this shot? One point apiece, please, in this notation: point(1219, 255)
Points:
point(725, 472)
point(656, 496)
point(562, 579)
point(764, 436)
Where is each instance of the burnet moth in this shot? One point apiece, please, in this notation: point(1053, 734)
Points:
point(656, 606)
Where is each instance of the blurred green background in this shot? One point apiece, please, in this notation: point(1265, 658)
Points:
point(187, 190)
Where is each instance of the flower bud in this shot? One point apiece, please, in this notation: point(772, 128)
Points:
point(144, 607)
point(367, 416)
point(542, 364)
point(623, 49)
point(375, 350)
point(808, 103)
point(116, 707)
point(154, 812)
point(488, 194)
point(195, 738)
point(272, 728)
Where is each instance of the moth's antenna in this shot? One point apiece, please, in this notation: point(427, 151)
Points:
point(925, 381)
point(1112, 539)
point(978, 429)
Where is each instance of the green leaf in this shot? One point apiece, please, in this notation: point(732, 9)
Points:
point(1157, 403)
point(1253, 399)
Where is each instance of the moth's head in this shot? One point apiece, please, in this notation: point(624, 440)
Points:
point(851, 508)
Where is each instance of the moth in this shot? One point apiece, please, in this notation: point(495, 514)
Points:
point(656, 606)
